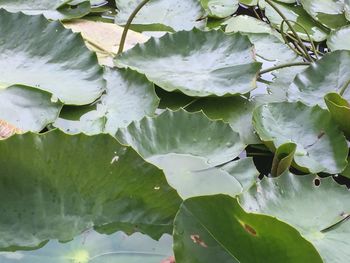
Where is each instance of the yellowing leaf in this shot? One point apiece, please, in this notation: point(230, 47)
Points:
point(104, 38)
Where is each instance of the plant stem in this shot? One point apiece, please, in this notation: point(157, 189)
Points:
point(307, 33)
point(128, 23)
point(343, 89)
point(284, 66)
point(307, 56)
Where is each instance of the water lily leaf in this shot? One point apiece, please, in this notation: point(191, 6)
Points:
point(283, 159)
point(237, 111)
point(247, 24)
point(94, 247)
point(184, 133)
point(328, 12)
point(217, 229)
point(321, 146)
point(104, 38)
point(66, 188)
point(297, 14)
point(194, 152)
point(340, 110)
point(51, 9)
point(27, 109)
point(175, 62)
point(129, 97)
point(346, 172)
point(339, 39)
point(220, 8)
point(62, 65)
point(347, 9)
point(249, 2)
point(311, 86)
point(176, 15)
point(318, 212)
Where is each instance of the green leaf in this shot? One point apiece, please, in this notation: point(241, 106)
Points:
point(55, 59)
point(321, 146)
point(311, 209)
point(93, 247)
point(129, 97)
point(237, 111)
point(194, 152)
point(28, 109)
point(249, 2)
point(329, 74)
point(297, 14)
point(217, 229)
point(328, 12)
point(346, 172)
point(51, 9)
point(175, 14)
point(65, 187)
point(247, 24)
point(220, 8)
point(283, 159)
point(340, 111)
point(339, 39)
point(196, 63)
point(347, 9)
point(184, 133)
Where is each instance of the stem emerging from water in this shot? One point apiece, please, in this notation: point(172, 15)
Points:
point(128, 23)
point(287, 65)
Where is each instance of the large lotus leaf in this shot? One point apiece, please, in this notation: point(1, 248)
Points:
point(27, 109)
point(176, 14)
point(296, 14)
point(321, 146)
point(72, 183)
point(320, 212)
point(237, 111)
point(328, 12)
point(193, 176)
point(129, 97)
point(220, 8)
point(51, 9)
point(247, 24)
point(194, 152)
point(176, 62)
point(104, 38)
point(340, 111)
point(277, 90)
point(339, 39)
point(216, 229)
point(329, 74)
point(93, 247)
point(267, 42)
point(42, 54)
point(183, 133)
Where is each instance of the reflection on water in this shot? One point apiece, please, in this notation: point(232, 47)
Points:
point(92, 247)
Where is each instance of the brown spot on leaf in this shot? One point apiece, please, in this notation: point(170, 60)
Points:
point(196, 239)
point(249, 229)
point(7, 130)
